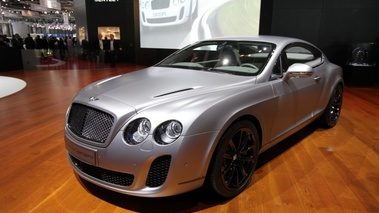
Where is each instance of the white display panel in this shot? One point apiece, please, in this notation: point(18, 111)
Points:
point(173, 24)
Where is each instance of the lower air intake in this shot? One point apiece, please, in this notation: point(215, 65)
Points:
point(117, 178)
point(158, 171)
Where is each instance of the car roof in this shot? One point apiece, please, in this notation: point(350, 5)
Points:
point(278, 40)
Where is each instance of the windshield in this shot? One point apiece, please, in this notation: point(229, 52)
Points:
point(234, 57)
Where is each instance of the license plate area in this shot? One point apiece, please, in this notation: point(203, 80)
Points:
point(159, 14)
point(85, 154)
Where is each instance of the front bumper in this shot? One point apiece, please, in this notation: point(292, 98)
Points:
point(146, 170)
point(164, 17)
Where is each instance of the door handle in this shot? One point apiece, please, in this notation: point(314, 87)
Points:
point(317, 78)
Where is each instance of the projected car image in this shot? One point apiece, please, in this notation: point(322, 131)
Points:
point(201, 117)
point(154, 13)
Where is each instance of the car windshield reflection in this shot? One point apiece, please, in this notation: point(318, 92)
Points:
point(231, 57)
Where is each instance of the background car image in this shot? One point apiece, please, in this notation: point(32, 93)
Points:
point(215, 18)
point(155, 13)
point(201, 117)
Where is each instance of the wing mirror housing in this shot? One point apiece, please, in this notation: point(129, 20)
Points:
point(298, 70)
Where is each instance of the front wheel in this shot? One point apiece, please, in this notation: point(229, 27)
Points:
point(333, 110)
point(234, 160)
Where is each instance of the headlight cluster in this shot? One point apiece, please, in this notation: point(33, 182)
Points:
point(166, 133)
point(137, 131)
point(144, 4)
point(176, 2)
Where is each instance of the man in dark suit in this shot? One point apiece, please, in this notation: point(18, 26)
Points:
point(114, 49)
point(29, 42)
point(99, 49)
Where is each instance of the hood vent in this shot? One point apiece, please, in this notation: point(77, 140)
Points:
point(169, 93)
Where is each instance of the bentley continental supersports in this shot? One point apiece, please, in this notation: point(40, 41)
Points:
point(201, 117)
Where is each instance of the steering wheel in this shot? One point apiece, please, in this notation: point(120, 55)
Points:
point(249, 65)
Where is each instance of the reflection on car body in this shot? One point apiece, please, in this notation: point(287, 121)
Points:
point(201, 116)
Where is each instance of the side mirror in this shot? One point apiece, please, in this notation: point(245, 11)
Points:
point(298, 70)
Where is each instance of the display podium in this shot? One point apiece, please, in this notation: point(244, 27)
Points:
point(30, 59)
point(362, 65)
point(360, 76)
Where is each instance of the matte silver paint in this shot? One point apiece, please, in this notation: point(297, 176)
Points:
point(206, 104)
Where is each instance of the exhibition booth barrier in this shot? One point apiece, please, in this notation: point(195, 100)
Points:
point(30, 59)
point(18, 59)
point(10, 59)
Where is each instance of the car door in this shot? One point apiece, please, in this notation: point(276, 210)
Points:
point(297, 97)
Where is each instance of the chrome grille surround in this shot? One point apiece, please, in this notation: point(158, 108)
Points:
point(90, 123)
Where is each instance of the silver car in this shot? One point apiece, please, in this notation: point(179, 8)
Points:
point(200, 117)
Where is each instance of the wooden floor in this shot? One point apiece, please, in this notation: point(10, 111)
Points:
point(315, 170)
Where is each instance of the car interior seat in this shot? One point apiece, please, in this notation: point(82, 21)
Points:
point(228, 57)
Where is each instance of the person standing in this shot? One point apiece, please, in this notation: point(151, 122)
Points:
point(45, 46)
point(38, 42)
point(86, 47)
point(62, 49)
point(17, 42)
point(106, 49)
point(52, 40)
point(98, 46)
point(70, 47)
point(2, 41)
point(114, 49)
point(29, 42)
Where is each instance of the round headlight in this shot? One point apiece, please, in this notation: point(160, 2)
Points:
point(168, 132)
point(137, 131)
point(175, 2)
point(173, 129)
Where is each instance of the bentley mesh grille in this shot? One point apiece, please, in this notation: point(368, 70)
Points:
point(158, 171)
point(90, 123)
point(160, 4)
point(117, 178)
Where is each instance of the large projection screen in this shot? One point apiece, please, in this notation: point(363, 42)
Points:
point(173, 24)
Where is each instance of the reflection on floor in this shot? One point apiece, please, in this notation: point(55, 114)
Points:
point(10, 85)
point(50, 62)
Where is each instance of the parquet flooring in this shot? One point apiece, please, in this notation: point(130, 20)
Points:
point(315, 170)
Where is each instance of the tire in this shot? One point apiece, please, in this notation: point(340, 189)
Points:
point(333, 110)
point(234, 160)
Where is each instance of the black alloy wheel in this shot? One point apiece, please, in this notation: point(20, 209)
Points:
point(234, 160)
point(333, 110)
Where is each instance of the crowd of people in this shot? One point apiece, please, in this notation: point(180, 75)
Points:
point(66, 47)
point(60, 48)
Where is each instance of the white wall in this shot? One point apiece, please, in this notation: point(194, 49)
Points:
point(21, 28)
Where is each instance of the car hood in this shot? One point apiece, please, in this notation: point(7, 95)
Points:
point(151, 86)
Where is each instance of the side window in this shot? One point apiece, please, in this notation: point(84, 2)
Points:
point(302, 53)
point(280, 67)
point(296, 53)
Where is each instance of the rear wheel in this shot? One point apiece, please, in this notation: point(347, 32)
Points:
point(234, 160)
point(333, 110)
